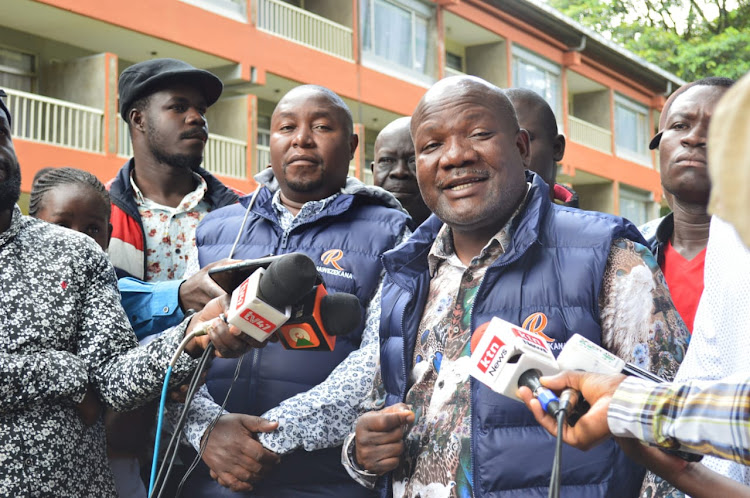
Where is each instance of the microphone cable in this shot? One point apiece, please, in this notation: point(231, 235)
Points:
point(170, 453)
point(210, 428)
point(568, 401)
point(201, 330)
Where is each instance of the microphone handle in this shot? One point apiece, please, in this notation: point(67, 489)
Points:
point(530, 378)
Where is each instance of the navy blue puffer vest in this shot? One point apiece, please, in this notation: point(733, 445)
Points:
point(362, 228)
point(555, 266)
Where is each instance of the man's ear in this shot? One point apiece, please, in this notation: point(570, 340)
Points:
point(558, 148)
point(136, 119)
point(522, 142)
point(353, 143)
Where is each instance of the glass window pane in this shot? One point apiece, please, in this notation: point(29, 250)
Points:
point(420, 43)
point(364, 7)
point(393, 33)
point(631, 129)
point(529, 76)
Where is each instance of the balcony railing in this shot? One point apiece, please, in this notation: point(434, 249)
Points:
point(590, 135)
point(304, 27)
point(226, 156)
point(264, 157)
point(56, 122)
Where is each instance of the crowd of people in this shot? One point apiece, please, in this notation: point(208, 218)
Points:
point(465, 222)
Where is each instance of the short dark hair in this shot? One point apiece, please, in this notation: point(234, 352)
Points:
point(56, 177)
point(333, 97)
point(548, 116)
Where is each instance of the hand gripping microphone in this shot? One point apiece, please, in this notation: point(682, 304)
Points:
point(581, 354)
point(318, 318)
point(505, 357)
point(263, 302)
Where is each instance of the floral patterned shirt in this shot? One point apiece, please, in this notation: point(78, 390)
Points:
point(639, 324)
point(64, 330)
point(170, 232)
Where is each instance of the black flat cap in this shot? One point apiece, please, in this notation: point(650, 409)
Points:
point(145, 78)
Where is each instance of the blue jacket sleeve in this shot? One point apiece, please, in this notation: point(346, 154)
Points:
point(151, 306)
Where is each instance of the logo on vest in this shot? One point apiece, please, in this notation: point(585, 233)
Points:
point(331, 258)
point(537, 322)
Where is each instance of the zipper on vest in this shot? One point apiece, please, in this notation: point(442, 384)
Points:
point(388, 478)
point(474, 472)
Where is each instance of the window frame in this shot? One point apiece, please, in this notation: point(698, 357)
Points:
point(370, 58)
point(641, 156)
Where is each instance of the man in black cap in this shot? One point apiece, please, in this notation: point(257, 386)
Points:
point(162, 193)
point(158, 198)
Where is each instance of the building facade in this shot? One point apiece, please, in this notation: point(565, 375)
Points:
point(60, 61)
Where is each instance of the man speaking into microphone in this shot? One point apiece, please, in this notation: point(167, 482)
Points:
point(305, 203)
point(498, 247)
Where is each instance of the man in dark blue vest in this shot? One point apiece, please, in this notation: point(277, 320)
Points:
point(498, 246)
point(305, 203)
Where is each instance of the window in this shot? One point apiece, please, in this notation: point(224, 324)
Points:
point(17, 70)
point(631, 130)
point(454, 61)
point(538, 74)
point(396, 32)
point(634, 205)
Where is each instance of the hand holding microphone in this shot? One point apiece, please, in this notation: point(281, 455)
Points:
point(592, 428)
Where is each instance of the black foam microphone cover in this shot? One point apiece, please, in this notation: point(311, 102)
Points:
point(287, 279)
point(341, 313)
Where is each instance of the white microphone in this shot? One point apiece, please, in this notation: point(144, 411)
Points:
point(505, 357)
point(581, 354)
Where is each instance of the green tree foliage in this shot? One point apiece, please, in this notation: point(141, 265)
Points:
point(691, 38)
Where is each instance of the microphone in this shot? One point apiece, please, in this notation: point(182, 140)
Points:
point(581, 354)
point(263, 302)
point(318, 318)
point(505, 357)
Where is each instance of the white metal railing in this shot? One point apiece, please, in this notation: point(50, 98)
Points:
point(590, 135)
point(56, 122)
point(124, 146)
point(264, 157)
point(226, 156)
point(304, 27)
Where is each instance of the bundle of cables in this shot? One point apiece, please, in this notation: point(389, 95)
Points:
point(160, 476)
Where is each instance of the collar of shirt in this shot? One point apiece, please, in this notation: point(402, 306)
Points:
point(287, 220)
point(188, 203)
point(442, 249)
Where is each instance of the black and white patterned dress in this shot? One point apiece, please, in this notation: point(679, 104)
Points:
point(62, 329)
